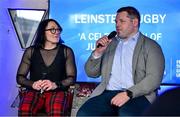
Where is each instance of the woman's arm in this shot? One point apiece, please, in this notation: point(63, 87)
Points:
point(70, 65)
point(23, 69)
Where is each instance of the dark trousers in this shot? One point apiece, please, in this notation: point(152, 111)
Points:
point(101, 106)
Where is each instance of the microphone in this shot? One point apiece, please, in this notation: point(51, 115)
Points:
point(43, 77)
point(110, 36)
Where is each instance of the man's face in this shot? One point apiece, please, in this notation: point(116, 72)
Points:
point(125, 26)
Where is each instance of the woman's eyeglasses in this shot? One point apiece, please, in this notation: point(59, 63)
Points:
point(53, 30)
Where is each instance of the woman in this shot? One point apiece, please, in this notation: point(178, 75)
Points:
point(52, 69)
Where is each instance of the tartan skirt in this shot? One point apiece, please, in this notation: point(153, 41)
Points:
point(32, 102)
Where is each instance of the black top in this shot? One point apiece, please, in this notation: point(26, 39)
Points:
point(56, 65)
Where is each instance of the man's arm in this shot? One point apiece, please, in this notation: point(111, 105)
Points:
point(154, 69)
point(93, 66)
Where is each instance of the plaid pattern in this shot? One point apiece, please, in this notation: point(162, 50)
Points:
point(32, 102)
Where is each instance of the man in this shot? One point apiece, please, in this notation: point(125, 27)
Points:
point(131, 66)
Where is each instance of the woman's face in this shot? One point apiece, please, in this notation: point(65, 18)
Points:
point(52, 33)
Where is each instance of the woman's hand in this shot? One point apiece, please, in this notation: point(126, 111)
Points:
point(37, 85)
point(48, 85)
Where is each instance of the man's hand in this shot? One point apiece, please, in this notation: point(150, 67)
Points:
point(104, 42)
point(120, 99)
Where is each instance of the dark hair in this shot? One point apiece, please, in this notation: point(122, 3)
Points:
point(40, 37)
point(132, 13)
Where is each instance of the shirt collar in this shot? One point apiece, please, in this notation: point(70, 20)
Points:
point(134, 37)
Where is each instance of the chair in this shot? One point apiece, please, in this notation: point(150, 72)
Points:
point(67, 104)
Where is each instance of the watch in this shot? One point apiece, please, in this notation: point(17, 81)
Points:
point(129, 94)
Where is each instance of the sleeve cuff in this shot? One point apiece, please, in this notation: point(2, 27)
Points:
point(60, 86)
point(96, 56)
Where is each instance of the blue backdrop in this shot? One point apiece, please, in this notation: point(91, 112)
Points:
point(84, 21)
